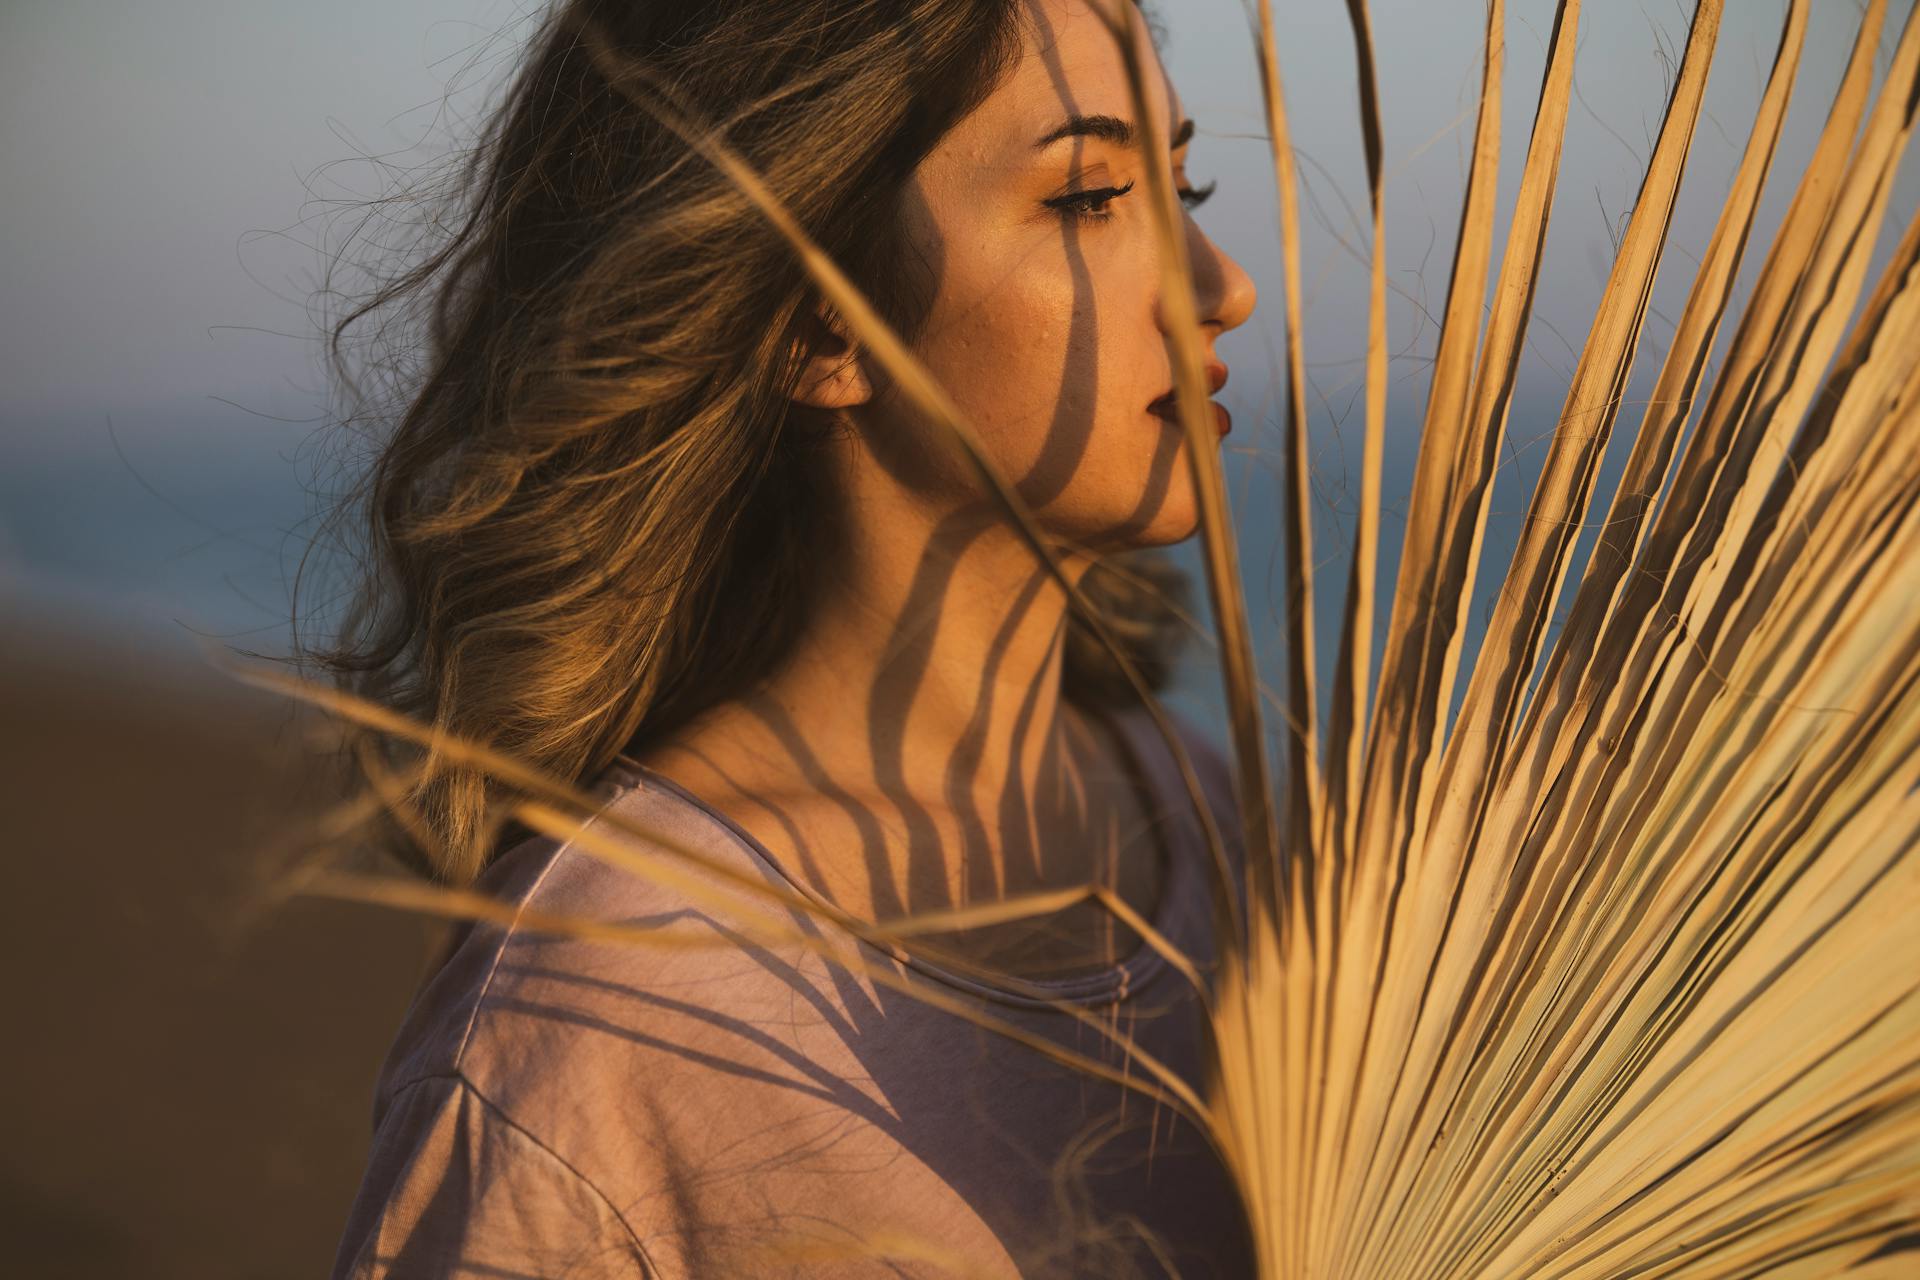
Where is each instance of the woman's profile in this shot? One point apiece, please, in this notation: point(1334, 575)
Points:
point(649, 518)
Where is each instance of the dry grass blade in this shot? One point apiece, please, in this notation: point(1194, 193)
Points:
point(1353, 668)
point(1353, 672)
point(1540, 562)
point(1465, 762)
point(1421, 651)
point(1671, 551)
point(1271, 1158)
point(1450, 491)
point(1872, 383)
point(1238, 669)
point(1655, 444)
point(1302, 809)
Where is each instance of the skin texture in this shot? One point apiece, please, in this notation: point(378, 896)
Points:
point(916, 752)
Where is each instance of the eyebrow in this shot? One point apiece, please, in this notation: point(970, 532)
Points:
point(1109, 129)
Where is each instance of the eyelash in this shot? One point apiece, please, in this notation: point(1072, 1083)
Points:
point(1091, 205)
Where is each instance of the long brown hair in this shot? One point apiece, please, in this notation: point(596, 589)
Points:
point(596, 512)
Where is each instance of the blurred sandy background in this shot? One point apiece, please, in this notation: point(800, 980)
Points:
point(189, 1065)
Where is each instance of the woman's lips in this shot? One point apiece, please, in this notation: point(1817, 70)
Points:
point(1170, 413)
point(1167, 407)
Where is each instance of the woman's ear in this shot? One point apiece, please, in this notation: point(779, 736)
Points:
point(832, 374)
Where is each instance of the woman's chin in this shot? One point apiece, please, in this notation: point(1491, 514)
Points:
point(1177, 521)
point(1111, 529)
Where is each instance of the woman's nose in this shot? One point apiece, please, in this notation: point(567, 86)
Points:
point(1222, 288)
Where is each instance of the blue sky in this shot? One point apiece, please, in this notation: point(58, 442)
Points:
point(175, 172)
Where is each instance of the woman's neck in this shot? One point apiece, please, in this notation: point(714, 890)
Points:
point(914, 752)
point(934, 658)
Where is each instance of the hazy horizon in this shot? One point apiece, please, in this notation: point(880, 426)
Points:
point(172, 172)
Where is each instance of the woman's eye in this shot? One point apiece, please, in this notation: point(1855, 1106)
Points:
point(1091, 204)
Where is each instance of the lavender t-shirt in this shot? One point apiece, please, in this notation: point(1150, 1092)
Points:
point(559, 1107)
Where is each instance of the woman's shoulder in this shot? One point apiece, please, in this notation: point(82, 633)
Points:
point(651, 1029)
point(636, 900)
point(659, 919)
point(683, 1044)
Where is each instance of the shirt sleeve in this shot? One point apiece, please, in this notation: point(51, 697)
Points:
point(454, 1189)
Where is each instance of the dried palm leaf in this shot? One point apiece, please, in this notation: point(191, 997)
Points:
point(1615, 986)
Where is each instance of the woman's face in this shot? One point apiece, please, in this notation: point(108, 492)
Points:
point(1048, 324)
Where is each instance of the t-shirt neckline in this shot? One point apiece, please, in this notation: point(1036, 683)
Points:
point(1103, 986)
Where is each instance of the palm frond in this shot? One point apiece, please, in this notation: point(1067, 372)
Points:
point(1606, 983)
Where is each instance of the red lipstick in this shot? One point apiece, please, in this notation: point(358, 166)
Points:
point(1166, 406)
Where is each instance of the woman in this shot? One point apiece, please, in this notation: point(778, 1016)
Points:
point(653, 519)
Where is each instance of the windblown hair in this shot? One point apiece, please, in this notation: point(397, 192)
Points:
point(596, 511)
